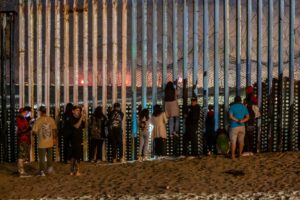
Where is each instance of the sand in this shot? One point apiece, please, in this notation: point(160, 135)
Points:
point(262, 176)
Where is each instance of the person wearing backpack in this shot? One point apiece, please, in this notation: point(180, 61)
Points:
point(116, 132)
point(46, 131)
point(97, 123)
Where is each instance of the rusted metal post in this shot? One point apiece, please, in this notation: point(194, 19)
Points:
point(21, 53)
point(114, 50)
point(104, 55)
point(47, 56)
point(85, 75)
point(75, 52)
point(30, 54)
point(95, 53)
point(124, 70)
point(144, 56)
point(175, 44)
point(66, 52)
point(165, 46)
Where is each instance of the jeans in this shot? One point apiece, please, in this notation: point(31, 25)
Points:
point(144, 141)
point(173, 124)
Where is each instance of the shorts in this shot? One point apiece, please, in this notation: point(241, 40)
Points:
point(23, 150)
point(237, 133)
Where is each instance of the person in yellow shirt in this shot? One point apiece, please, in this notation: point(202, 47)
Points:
point(46, 131)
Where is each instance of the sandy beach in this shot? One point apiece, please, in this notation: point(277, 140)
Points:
point(262, 176)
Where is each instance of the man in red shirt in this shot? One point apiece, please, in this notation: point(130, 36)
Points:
point(23, 135)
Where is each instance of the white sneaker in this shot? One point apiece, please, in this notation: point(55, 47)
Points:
point(51, 170)
point(140, 159)
point(24, 175)
point(123, 160)
point(182, 157)
point(191, 157)
point(145, 158)
point(41, 173)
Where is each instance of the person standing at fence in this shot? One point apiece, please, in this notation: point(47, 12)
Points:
point(116, 133)
point(159, 120)
point(191, 127)
point(97, 123)
point(172, 108)
point(238, 115)
point(144, 134)
point(67, 128)
point(23, 135)
point(46, 131)
point(210, 130)
point(251, 104)
point(78, 122)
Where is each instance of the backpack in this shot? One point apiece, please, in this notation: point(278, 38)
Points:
point(256, 111)
point(116, 119)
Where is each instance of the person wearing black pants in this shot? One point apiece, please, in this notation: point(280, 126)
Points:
point(97, 124)
point(117, 143)
point(67, 127)
point(116, 132)
point(159, 146)
point(191, 126)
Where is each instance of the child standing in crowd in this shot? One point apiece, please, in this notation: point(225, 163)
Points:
point(78, 121)
point(144, 134)
point(116, 133)
point(97, 124)
point(46, 130)
point(23, 135)
point(159, 120)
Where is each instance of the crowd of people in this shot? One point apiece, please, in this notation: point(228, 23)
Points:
point(102, 126)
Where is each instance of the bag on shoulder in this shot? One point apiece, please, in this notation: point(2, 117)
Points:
point(256, 111)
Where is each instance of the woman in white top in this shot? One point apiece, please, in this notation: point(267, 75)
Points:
point(171, 107)
point(159, 120)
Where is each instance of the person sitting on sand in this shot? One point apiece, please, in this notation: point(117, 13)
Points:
point(78, 121)
point(238, 115)
point(222, 142)
point(46, 131)
point(159, 120)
